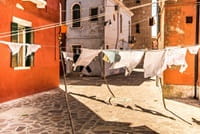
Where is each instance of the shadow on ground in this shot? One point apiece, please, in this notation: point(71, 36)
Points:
point(138, 108)
point(52, 117)
point(86, 121)
point(135, 79)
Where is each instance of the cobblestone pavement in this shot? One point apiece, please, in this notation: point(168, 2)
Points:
point(137, 109)
point(41, 113)
point(46, 113)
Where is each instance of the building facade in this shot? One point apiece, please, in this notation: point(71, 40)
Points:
point(23, 75)
point(97, 24)
point(179, 27)
point(140, 27)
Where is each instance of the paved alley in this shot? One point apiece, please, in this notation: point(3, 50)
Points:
point(136, 109)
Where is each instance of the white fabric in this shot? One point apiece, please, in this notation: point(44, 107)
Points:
point(129, 59)
point(175, 56)
point(86, 57)
point(32, 49)
point(153, 62)
point(68, 56)
point(194, 49)
point(15, 48)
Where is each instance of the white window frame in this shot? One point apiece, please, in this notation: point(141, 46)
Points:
point(26, 24)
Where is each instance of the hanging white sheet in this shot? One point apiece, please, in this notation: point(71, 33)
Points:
point(32, 49)
point(15, 47)
point(86, 57)
point(153, 63)
point(175, 56)
point(129, 59)
point(67, 56)
point(193, 49)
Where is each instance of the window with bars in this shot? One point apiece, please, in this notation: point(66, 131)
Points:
point(21, 34)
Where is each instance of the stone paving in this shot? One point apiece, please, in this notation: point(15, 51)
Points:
point(137, 109)
point(46, 113)
point(43, 113)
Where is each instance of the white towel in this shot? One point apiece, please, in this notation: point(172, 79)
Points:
point(129, 59)
point(32, 49)
point(86, 57)
point(67, 56)
point(14, 47)
point(153, 62)
point(194, 49)
point(176, 57)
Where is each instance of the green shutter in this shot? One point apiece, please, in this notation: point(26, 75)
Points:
point(14, 31)
point(29, 39)
point(14, 38)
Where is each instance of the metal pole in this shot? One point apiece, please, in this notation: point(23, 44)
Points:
point(104, 77)
point(66, 92)
point(163, 99)
point(196, 68)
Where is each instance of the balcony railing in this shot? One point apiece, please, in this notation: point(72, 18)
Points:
point(39, 3)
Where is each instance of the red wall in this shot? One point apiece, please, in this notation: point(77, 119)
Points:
point(44, 75)
point(175, 17)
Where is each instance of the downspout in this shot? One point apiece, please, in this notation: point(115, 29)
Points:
point(117, 39)
point(60, 7)
point(197, 56)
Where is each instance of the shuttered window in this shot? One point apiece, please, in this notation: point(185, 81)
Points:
point(21, 34)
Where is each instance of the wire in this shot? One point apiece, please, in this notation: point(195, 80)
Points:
point(53, 25)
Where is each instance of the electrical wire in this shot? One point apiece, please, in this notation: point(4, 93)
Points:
point(53, 25)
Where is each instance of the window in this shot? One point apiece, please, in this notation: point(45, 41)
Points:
point(121, 23)
point(189, 19)
point(76, 16)
point(151, 21)
point(76, 52)
point(94, 14)
point(137, 1)
point(137, 27)
point(21, 34)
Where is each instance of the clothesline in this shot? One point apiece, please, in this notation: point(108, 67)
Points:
point(155, 61)
point(15, 47)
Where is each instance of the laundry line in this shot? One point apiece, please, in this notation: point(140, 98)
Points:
point(15, 47)
point(154, 60)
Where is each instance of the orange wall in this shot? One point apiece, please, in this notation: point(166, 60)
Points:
point(175, 17)
point(44, 74)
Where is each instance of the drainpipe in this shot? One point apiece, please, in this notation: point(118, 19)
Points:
point(60, 7)
point(197, 56)
point(117, 39)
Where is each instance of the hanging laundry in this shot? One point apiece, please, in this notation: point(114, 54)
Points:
point(14, 47)
point(129, 60)
point(111, 56)
point(175, 56)
point(32, 49)
point(153, 63)
point(86, 57)
point(67, 56)
point(193, 49)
